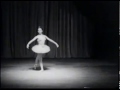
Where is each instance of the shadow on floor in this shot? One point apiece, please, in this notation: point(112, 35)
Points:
point(38, 68)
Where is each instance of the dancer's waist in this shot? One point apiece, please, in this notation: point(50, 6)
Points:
point(41, 44)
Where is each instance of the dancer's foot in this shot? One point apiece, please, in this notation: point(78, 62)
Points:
point(35, 66)
point(42, 70)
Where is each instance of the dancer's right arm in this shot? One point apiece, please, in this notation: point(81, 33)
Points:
point(31, 41)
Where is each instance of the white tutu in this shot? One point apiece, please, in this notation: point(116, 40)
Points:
point(41, 49)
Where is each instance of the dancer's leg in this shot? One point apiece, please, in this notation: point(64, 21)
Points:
point(36, 61)
point(41, 63)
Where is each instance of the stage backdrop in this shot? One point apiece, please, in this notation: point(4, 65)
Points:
point(60, 21)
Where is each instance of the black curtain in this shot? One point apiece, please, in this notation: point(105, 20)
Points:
point(107, 31)
point(60, 21)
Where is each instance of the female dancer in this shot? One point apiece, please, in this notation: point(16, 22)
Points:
point(41, 48)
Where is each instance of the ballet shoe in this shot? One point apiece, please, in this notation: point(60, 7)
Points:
point(42, 70)
point(35, 66)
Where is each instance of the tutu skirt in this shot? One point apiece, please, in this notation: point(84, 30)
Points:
point(41, 49)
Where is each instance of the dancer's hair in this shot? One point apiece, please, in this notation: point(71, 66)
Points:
point(39, 27)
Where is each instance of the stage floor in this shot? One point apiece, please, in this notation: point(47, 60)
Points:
point(59, 74)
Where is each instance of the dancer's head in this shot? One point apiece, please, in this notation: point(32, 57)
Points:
point(40, 30)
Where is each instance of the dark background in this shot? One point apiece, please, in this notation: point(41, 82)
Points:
point(82, 29)
point(105, 14)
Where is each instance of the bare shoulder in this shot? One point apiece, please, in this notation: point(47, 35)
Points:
point(44, 35)
point(36, 36)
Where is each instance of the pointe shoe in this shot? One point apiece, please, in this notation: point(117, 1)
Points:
point(42, 70)
point(35, 66)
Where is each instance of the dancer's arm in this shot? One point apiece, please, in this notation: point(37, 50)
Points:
point(51, 41)
point(31, 41)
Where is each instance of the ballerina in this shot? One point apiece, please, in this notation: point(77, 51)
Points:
point(41, 48)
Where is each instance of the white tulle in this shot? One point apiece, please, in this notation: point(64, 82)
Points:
point(41, 49)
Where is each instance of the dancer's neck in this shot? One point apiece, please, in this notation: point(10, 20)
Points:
point(40, 34)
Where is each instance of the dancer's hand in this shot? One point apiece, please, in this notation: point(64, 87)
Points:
point(57, 45)
point(27, 46)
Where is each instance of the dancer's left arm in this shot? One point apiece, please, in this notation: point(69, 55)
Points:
point(51, 41)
